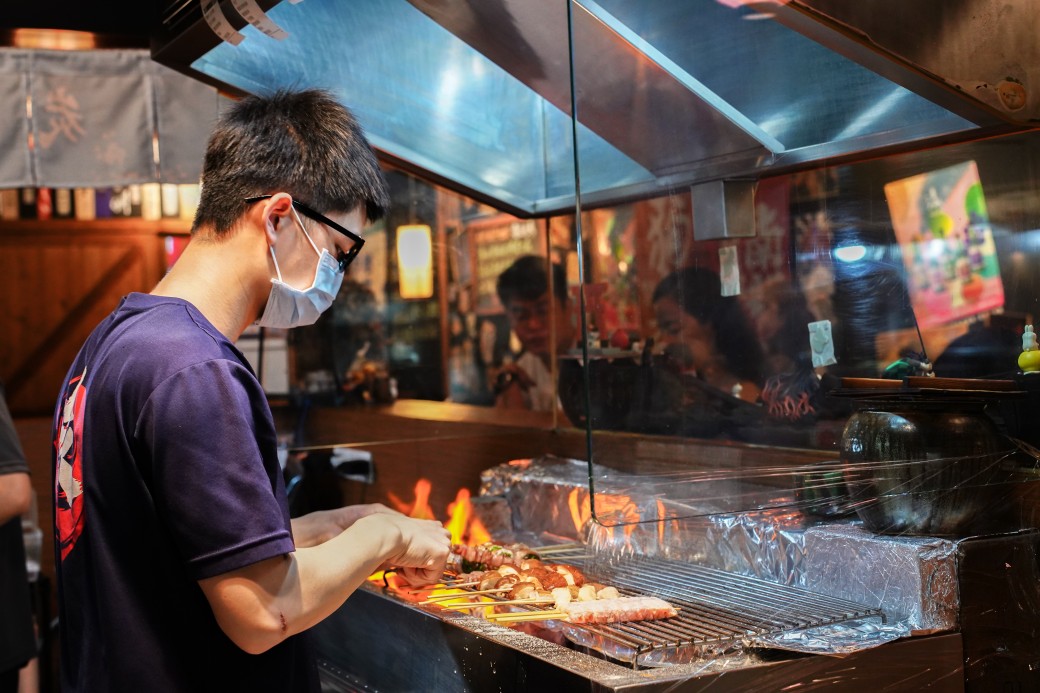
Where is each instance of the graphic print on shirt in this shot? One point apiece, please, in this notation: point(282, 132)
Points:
point(68, 489)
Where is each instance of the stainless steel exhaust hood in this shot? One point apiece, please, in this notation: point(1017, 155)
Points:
point(477, 94)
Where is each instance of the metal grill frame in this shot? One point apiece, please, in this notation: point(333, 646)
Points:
point(719, 612)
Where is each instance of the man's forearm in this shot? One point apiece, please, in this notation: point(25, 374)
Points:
point(262, 604)
point(15, 495)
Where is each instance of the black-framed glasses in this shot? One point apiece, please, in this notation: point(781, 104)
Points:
point(344, 257)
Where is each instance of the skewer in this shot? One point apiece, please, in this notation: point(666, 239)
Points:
point(479, 605)
point(449, 597)
point(443, 586)
point(517, 617)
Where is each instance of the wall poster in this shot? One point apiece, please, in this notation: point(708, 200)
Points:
point(943, 230)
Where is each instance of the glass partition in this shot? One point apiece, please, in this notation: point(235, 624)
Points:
point(723, 267)
point(836, 344)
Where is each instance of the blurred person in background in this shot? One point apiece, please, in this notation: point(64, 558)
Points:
point(708, 335)
point(17, 635)
point(543, 324)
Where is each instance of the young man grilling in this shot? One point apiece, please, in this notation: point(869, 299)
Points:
point(178, 566)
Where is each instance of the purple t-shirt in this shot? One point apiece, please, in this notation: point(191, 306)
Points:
point(166, 472)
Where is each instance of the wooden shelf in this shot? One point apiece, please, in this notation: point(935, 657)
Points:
point(169, 226)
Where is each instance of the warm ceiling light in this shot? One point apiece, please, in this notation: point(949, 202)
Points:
point(53, 39)
point(415, 261)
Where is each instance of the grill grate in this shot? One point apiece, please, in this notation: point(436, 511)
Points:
point(718, 611)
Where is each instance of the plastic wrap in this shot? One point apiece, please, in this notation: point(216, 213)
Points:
point(913, 580)
point(551, 495)
point(766, 544)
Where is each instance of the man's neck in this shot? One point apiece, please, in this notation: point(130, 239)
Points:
point(212, 276)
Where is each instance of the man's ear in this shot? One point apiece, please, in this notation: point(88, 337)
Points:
point(273, 213)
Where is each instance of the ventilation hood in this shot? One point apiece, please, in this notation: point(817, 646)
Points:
point(478, 94)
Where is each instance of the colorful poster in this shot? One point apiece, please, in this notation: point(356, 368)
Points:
point(942, 227)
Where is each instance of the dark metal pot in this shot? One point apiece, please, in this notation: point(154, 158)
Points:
point(930, 468)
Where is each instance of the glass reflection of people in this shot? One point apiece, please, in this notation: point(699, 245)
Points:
point(344, 349)
point(542, 323)
point(708, 334)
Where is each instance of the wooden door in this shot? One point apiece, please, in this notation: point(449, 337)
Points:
point(58, 280)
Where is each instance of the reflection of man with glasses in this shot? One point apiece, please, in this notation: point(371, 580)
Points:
point(542, 323)
point(179, 567)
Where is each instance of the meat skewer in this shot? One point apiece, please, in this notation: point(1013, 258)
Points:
point(487, 556)
point(615, 610)
point(522, 616)
point(524, 578)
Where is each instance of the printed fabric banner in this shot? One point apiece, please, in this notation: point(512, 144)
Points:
point(15, 167)
point(186, 110)
point(92, 118)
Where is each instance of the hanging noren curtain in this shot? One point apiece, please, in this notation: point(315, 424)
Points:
point(93, 115)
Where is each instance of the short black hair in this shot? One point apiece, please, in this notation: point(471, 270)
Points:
point(304, 143)
point(528, 280)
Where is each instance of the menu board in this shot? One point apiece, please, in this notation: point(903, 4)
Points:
point(942, 225)
point(497, 245)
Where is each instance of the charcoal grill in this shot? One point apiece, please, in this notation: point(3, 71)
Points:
point(379, 641)
point(719, 612)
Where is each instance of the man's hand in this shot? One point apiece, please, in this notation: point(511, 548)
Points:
point(511, 386)
point(320, 526)
point(423, 546)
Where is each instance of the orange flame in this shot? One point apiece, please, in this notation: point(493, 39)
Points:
point(421, 507)
point(661, 513)
point(464, 526)
point(478, 533)
point(618, 509)
point(581, 512)
point(459, 514)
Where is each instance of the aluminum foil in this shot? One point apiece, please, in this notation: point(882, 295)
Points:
point(836, 638)
point(495, 515)
point(832, 639)
point(551, 495)
point(768, 544)
point(912, 579)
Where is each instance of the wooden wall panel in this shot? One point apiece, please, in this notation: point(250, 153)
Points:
point(58, 280)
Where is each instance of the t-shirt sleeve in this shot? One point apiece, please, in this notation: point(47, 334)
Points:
point(208, 478)
point(12, 459)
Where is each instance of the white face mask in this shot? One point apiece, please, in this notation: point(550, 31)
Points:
point(289, 307)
